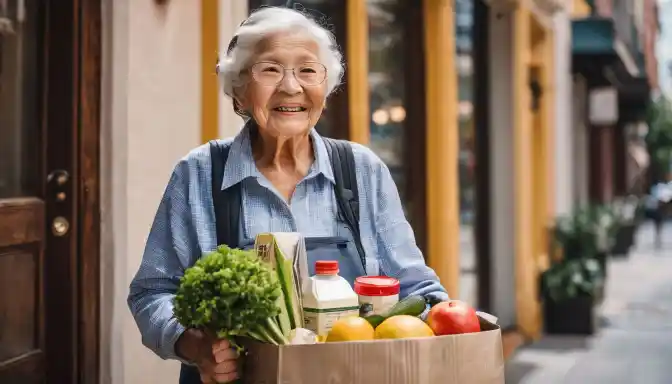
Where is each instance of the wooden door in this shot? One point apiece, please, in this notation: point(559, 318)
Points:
point(49, 102)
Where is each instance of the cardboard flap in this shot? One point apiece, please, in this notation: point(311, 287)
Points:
point(470, 358)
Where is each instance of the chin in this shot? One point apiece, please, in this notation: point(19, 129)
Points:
point(288, 128)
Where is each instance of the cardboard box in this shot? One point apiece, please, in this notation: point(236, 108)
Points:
point(474, 358)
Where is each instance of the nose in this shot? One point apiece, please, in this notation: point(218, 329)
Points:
point(290, 84)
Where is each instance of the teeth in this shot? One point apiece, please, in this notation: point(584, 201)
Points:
point(290, 109)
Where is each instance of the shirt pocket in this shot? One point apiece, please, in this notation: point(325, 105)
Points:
point(335, 248)
point(331, 248)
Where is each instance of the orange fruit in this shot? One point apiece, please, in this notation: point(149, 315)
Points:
point(351, 328)
point(403, 327)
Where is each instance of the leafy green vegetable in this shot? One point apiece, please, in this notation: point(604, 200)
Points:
point(229, 293)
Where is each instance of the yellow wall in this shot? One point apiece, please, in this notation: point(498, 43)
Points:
point(209, 90)
point(533, 149)
point(357, 73)
point(580, 9)
point(442, 144)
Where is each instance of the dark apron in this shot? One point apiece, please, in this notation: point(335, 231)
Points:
point(337, 248)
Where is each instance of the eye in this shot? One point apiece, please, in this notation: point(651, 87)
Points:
point(308, 70)
point(271, 68)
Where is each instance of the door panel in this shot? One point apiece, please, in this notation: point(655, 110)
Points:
point(22, 211)
point(21, 309)
point(39, 127)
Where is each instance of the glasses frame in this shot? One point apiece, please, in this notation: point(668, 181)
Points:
point(284, 73)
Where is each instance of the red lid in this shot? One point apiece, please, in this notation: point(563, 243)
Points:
point(326, 267)
point(376, 286)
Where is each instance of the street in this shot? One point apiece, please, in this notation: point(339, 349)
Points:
point(634, 340)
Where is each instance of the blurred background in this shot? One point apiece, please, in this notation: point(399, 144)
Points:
point(531, 142)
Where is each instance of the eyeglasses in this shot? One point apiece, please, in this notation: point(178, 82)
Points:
point(271, 74)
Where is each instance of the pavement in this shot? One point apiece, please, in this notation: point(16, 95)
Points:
point(634, 342)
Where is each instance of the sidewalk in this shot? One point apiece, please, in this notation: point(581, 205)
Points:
point(634, 342)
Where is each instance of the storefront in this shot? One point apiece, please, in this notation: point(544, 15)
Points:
point(418, 92)
point(401, 103)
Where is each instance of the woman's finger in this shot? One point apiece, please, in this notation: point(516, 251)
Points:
point(207, 379)
point(225, 355)
point(220, 344)
point(226, 377)
point(230, 366)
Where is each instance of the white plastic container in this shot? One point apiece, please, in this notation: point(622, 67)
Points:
point(327, 297)
point(376, 294)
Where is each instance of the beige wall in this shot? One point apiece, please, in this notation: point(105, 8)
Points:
point(151, 118)
point(564, 132)
point(502, 202)
point(231, 14)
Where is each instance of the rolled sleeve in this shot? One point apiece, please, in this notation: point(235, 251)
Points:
point(398, 252)
point(171, 247)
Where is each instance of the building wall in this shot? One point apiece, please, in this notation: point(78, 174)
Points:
point(580, 140)
point(564, 132)
point(650, 37)
point(502, 203)
point(604, 7)
point(151, 108)
point(231, 14)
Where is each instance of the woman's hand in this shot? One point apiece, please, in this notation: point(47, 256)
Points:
point(216, 360)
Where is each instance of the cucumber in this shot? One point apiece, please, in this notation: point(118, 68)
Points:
point(411, 305)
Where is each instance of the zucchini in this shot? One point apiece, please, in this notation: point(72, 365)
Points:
point(411, 305)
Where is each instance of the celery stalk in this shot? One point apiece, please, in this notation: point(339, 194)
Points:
point(275, 332)
point(285, 271)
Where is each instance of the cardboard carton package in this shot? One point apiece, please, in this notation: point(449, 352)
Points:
point(474, 358)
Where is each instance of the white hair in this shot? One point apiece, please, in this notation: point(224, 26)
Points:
point(269, 20)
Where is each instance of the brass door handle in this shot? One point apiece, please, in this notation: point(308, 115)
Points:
point(60, 226)
point(59, 176)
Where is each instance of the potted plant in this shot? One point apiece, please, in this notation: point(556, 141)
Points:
point(625, 211)
point(604, 226)
point(574, 283)
point(569, 290)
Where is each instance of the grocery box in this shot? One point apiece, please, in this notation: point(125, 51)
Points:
point(473, 358)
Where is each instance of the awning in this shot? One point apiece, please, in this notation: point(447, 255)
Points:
point(595, 46)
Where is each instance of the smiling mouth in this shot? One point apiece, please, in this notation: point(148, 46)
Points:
point(289, 109)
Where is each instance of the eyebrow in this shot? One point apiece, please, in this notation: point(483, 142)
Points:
point(272, 57)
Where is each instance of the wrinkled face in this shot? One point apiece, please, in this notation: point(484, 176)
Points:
point(293, 105)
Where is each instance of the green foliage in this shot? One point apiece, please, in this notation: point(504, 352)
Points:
point(581, 238)
point(586, 232)
point(572, 278)
point(659, 120)
point(659, 136)
point(230, 292)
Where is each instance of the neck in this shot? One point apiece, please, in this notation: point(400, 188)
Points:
point(283, 153)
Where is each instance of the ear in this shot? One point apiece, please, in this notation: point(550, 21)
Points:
point(239, 97)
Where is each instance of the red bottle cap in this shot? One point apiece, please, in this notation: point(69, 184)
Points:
point(376, 286)
point(326, 267)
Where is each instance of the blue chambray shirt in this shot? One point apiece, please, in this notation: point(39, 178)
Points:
point(184, 227)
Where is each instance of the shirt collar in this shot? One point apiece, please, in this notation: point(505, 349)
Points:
point(240, 164)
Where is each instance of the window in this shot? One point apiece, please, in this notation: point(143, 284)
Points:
point(464, 64)
point(396, 82)
point(20, 150)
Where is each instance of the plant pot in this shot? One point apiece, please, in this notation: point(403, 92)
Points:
point(574, 316)
point(625, 237)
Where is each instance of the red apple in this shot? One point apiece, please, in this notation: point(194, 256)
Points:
point(453, 317)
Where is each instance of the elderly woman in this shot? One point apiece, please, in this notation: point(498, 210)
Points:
point(279, 71)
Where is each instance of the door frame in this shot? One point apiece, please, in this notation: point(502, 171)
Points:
point(72, 348)
point(89, 99)
point(484, 190)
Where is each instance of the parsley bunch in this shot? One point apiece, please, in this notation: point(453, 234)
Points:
point(229, 293)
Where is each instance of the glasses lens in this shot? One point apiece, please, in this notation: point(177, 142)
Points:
point(311, 73)
point(267, 73)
